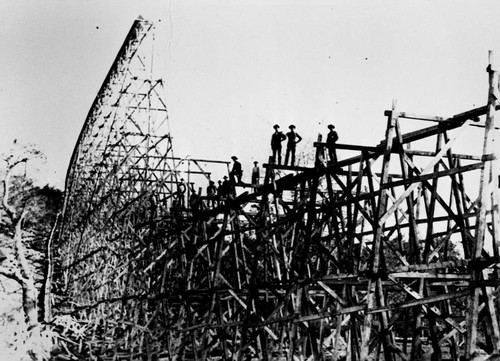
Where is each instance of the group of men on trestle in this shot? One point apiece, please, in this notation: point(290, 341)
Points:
point(215, 194)
point(293, 139)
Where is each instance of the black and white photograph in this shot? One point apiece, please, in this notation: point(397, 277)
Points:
point(277, 180)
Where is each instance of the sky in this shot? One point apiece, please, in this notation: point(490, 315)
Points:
point(233, 69)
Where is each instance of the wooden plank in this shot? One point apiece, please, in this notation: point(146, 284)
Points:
point(433, 309)
point(431, 131)
point(354, 222)
point(484, 197)
point(411, 180)
point(446, 206)
point(381, 208)
point(427, 169)
point(332, 293)
point(429, 239)
point(365, 214)
point(476, 112)
point(287, 167)
point(432, 275)
point(433, 154)
point(424, 301)
point(469, 114)
point(406, 115)
point(483, 125)
point(432, 266)
point(343, 311)
point(414, 232)
point(363, 148)
point(457, 193)
point(420, 221)
point(199, 160)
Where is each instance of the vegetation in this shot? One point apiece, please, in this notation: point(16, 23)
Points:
point(27, 214)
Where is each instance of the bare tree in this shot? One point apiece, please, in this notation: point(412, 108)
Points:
point(14, 212)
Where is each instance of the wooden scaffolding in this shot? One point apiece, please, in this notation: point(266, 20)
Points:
point(388, 253)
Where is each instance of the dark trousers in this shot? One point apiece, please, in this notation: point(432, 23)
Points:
point(234, 176)
point(277, 151)
point(290, 150)
point(332, 152)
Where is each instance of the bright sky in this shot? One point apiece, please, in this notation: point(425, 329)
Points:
point(235, 68)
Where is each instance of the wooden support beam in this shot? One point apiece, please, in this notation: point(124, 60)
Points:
point(425, 301)
point(433, 309)
point(469, 114)
point(362, 148)
point(406, 115)
point(200, 160)
point(287, 167)
point(433, 154)
point(372, 294)
point(485, 189)
point(427, 169)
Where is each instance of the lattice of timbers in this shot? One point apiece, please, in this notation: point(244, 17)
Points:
point(120, 176)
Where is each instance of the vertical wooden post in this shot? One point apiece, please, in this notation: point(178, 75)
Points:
point(406, 172)
point(377, 242)
point(486, 187)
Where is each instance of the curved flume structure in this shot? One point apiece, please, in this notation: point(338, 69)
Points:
point(389, 253)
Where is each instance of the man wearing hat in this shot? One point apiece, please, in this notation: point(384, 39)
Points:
point(181, 191)
point(255, 173)
point(225, 189)
point(236, 172)
point(276, 140)
point(331, 139)
point(293, 139)
point(211, 193)
point(220, 192)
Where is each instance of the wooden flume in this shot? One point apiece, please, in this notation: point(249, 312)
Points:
point(389, 253)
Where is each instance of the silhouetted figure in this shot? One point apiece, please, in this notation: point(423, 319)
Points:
point(211, 194)
point(226, 188)
point(331, 140)
point(293, 139)
point(181, 191)
point(194, 201)
point(276, 140)
point(220, 192)
point(255, 173)
point(236, 172)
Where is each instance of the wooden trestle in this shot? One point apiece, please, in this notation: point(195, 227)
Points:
point(390, 253)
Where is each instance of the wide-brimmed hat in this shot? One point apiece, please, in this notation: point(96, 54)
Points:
point(276, 126)
point(255, 162)
point(234, 157)
point(331, 126)
point(292, 126)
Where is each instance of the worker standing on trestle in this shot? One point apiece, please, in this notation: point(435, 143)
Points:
point(220, 192)
point(331, 140)
point(181, 190)
point(293, 139)
point(211, 194)
point(226, 188)
point(194, 200)
point(255, 173)
point(276, 140)
point(236, 172)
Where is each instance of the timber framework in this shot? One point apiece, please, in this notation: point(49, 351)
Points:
point(390, 253)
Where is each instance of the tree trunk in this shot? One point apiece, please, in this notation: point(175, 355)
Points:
point(30, 293)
